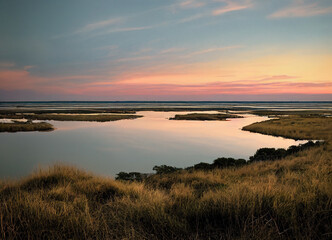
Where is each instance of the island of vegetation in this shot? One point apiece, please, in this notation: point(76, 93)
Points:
point(72, 117)
point(19, 110)
point(204, 116)
point(280, 194)
point(303, 113)
point(296, 127)
point(25, 127)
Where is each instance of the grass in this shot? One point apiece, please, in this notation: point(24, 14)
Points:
point(204, 116)
point(25, 127)
point(289, 198)
point(297, 127)
point(14, 111)
point(303, 113)
point(72, 117)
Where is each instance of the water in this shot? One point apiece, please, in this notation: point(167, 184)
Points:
point(324, 105)
point(132, 145)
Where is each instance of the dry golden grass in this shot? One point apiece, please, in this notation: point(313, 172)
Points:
point(204, 116)
point(25, 127)
point(285, 199)
point(73, 117)
point(297, 127)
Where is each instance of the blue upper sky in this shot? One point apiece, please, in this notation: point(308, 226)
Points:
point(117, 49)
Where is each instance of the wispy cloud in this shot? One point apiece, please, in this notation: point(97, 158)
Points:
point(128, 29)
point(17, 79)
point(142, 51)
point(277, 77)
point(100, 24)
point(209, 50)
point(110, 26)
point(115, 25)
point(6, 64)
point(108, 47)
point(28, 67)
point(191, 18)
point(172, 50)
point(140, 58)
point(228, 6)
point(191, 4)
point(232, 5)
point(146, 85)
point(210, 88)
point(302, 8)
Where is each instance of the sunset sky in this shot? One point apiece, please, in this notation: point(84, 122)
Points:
point(166, 50)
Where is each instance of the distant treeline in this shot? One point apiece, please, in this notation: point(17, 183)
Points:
point(262, 154)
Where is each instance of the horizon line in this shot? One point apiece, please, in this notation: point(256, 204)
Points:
point(166, 101)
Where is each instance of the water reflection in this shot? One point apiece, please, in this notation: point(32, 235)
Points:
point(132, 145)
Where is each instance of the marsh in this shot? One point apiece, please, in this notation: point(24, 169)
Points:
point(133, 145)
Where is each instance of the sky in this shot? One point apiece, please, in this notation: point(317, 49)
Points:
point(214, 50)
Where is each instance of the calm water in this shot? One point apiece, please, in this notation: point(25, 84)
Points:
point(131, 145)
point(326, 105)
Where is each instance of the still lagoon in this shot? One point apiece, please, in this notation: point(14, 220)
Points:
point(132, 145)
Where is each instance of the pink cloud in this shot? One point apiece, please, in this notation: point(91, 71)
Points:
point(15, 79)
point(191, 4)
point(85, 85)
point(278, 77)
point(232, 5)
point(28, 67)
point(244, 87)
point(140, 58)
point(6, 64)
point(208, 50)
point(302, 9)
point(100, 24)
point(23, 80)
point(192, 18)
point(172, 50)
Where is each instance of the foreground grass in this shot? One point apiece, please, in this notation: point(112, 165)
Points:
point(285, 199)
point(25, 127)
point(73, 117)
point(289, 199)
point(204, 116)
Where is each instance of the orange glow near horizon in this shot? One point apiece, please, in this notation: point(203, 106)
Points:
point(279, 74)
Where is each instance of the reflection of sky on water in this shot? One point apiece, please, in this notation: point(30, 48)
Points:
point(132, 145)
